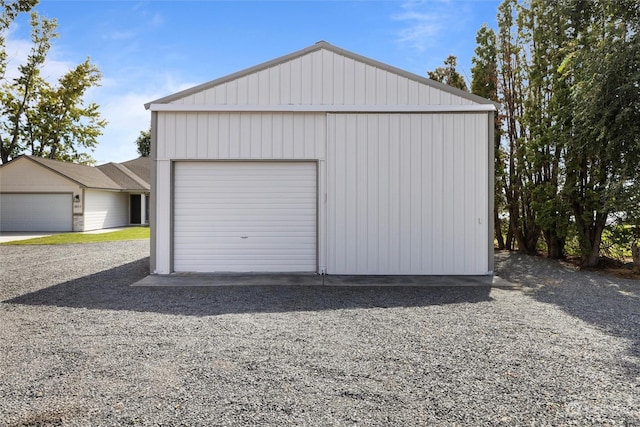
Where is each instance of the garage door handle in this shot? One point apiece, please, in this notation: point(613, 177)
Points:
point(244, 237)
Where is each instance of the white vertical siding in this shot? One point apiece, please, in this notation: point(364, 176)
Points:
point(105, 209)
point(407, 194)
point(323, 77)
point(202, 136)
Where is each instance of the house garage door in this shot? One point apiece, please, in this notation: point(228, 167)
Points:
point(244, 217)
point(36, 212)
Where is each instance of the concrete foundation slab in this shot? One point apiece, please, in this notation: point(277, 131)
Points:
point(182, 279)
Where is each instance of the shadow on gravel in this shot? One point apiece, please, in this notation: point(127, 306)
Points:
point(111, 290)
point(608, 302)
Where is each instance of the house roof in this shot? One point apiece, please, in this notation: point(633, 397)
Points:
point(111, 176)
point(329, 47)
point(140, 167)
point(87, 176)
point(124, 177)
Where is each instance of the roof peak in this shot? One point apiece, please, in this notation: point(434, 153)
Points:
point(310, 49)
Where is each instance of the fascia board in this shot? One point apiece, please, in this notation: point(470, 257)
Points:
point(325, 108)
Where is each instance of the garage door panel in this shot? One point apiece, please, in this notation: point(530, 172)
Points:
point(245, 216)
point(249, 212)
point(36, 212)
point(268, 242)
point(230, 256)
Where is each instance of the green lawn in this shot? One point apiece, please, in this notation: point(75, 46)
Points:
point(131, 233)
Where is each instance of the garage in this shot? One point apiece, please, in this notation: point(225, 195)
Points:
point(322, 161)
point(23, 212)
point(245, 217)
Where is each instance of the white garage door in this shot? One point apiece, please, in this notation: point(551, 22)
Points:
point(245, 217)
point(36, 212)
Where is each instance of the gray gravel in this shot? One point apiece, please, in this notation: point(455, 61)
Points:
point(79, 346)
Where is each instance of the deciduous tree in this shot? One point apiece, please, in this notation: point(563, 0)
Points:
point(144, 143)
point(448, 74)
point(484, 82)
point(518, 181)
point(40, 118)
point(547, 30)
point(603, 156)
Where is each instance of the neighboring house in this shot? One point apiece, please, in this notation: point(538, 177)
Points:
point(39, 194)
point(322, 161)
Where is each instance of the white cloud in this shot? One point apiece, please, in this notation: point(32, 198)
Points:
point(422, 27)
point(426, 22)
point(120, 35)
point(121, 98)
point(127, 116)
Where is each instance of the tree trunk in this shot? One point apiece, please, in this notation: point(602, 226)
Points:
point(498, 230)
point(509, 241)
point(555, 245)
point(591, 258)
point(531, 243)
point(635, 255)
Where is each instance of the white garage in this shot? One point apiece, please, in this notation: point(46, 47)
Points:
point(19, 212)
point(322, 161)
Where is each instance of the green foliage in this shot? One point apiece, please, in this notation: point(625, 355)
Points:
point(518, 179)
point(484, 82)
point(484, 73)
point(568, 79)
point(603, 154)
point(448, 74)
point(144, 143)
point(617, 240)
point(10, 10)
point(60, 123)
point(42, 119)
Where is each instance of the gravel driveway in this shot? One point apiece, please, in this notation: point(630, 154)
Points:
point(78, 346)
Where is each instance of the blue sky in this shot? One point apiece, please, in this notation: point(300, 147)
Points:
point(150, 49)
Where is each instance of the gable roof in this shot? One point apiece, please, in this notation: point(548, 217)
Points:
point(322, 46)
point(124, 177)
point(111, 176)
point(141, 167)
point(86, 176)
